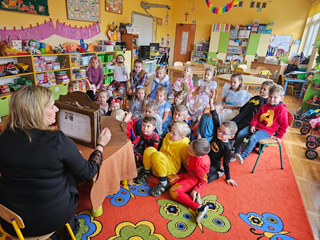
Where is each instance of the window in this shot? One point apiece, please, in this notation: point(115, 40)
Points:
point(312, 35)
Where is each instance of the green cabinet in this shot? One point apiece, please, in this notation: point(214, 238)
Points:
point(253, 43)
point(4, 106)
point(223, 42)
point(59, 90)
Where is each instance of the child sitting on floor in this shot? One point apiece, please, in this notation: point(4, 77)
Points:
point(151, 110)
point(138, 78)
point(161, 79)
point(180, 115)
point(102, 99)
point(205, 90)
point(205, 127)
point(164, 106)
point(184, 84)
point(138, 103)
point(73, 86)
point(220, 147)
point(270, 118)
point(194, 180)
point(180, 98)
point(114, 103)
point(95, 72)
point(247, 111)
point(146, 138)
point(233, 97)
point(120, 75)
point(168, 160)
point(122, 116)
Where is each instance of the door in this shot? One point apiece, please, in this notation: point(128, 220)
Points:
point(183, 42)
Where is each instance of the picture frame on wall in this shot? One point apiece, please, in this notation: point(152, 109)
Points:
point(84, 10)
point(114, 6)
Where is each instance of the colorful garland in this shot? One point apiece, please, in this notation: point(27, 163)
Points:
point(219, 10)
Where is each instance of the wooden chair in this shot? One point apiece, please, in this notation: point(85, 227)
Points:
point(274, 76)
point(178, 64)
point(199, 65)
point(243, 66)
point(238, 70)
point(18, 224)
point(223, 67)
point(265, 73)
point(271, 142)
point(188, 63)
point(261, 68)
point(214, 61)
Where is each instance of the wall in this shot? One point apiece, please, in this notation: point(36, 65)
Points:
point(57, 10)
point(289, 16)
point(314, 8)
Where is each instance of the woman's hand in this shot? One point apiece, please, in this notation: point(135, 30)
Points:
point(104, 137)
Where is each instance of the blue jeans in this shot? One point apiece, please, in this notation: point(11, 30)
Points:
point(255, 137)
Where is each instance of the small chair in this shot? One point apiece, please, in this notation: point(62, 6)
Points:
point(265, 73)
point(261, 68)
point(238, 70)
point(18, 224)
point(274, 76)
point(199, 65)
point(178, 63)
point(214, 61)
point(243, 66)
point(188, 63)
point(271, 142)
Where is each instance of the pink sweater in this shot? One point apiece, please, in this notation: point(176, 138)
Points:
point(96, 76)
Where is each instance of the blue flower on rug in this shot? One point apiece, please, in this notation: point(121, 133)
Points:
point(269, 223)
point(88, 227)
point(183, 221)
point(122, 197)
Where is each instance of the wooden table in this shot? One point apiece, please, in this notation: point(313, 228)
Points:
point(251, 72)
point(118, 164)
point(179, 69)
point(271, 67)
point(247, 80)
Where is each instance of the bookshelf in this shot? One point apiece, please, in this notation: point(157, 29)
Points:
point(237, 48)
point(199, 56)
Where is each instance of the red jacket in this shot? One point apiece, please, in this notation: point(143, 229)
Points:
point(271, 119)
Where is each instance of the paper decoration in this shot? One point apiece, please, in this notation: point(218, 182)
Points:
point(47, 29)
point(84, 10)
point(219, 10)
point(29, 6)
point(114, 6)
point(38, 32)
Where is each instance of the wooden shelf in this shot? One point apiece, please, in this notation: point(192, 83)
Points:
point(236, 53)
point(313, 104)
point(15, 56)
point(62, 69)
point(316, 88)
point(16, 75)
point(4, 95)
point(79, 66)
point(108, 73)
point(236, 46)
point(80, 78)
point(239, 37)
point(200, 51)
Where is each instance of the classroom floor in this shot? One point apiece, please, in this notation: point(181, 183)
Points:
point(307, 172)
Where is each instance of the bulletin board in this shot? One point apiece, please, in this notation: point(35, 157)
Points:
point(114, 6)
point(29, 6)
point(281, 42)
point(145, 23)
point(84, 10)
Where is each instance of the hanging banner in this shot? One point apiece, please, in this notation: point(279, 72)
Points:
point(39, 7)
point(47, 29)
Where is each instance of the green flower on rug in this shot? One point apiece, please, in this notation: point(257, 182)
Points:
point(172, 209)
point(143, 230)
point(183, 221)
point(256, 220)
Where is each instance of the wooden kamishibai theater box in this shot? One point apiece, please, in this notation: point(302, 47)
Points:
point(79, 119)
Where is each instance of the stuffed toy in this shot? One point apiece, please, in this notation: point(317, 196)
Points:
point(3, 47)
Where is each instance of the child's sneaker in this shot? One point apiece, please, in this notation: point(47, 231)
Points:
point(232, 159)
point(239, 158)
point(159, 189)
point(143, 176)
point(201, 212)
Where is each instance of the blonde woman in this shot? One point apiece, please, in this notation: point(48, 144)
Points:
point(39, 164)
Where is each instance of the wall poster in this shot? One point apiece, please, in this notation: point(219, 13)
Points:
point(114, 6)
point(84, 10)
point(29, 6)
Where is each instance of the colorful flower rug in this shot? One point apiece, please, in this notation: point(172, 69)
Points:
point(265, 205)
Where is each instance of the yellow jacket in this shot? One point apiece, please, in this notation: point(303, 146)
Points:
point(176, 151)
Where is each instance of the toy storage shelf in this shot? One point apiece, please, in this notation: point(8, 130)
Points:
point(16, 75)
point(313, 104)
point(5, 95)
point(62, 69)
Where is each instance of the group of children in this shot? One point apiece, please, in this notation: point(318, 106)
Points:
point(161, 132)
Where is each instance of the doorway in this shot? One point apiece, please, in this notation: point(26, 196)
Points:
point(184, 41)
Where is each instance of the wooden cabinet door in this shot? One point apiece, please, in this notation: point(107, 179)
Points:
point(184, 40)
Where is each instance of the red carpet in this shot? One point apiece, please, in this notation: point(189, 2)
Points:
point(265, 205)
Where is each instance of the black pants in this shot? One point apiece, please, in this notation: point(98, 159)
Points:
point(213, 173)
